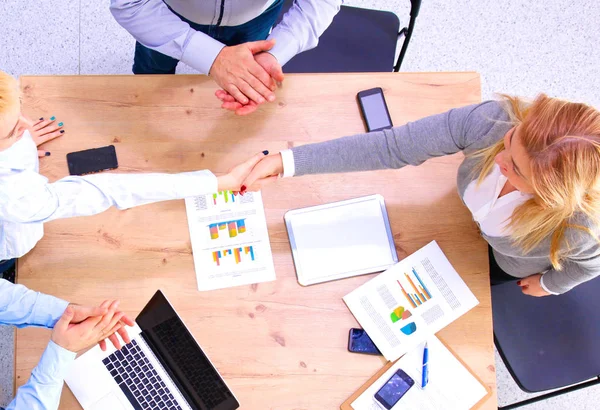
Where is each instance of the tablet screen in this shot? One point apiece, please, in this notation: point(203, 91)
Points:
point(341, 239)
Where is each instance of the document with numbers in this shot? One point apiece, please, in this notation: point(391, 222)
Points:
point(230, 241)
point(412, 300)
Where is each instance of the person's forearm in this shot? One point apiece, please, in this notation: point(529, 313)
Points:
point(571, 275)
point(21, 307)
point(152, 24)
point(387, 149)
point(410, 144)
point(301, 27)
point(43, 390)
point(92, 194)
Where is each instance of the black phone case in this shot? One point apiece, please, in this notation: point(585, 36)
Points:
point(365, 93)
point(93, 160)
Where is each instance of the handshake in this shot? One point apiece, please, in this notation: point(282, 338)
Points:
point(81, 327)
point(253, 174)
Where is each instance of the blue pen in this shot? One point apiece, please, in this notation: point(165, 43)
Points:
point(425, 378)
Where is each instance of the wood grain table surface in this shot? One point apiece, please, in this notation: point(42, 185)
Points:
point(278, 345)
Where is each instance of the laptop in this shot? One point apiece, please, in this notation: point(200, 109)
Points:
point(163, 368)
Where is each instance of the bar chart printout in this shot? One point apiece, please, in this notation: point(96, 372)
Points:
point(410, 301)
point(230, 240)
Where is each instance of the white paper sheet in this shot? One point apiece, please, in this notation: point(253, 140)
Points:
point(230, 241)
point(412, 300)
point(451, 386)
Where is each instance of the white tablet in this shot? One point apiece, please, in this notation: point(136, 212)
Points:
point(341, 239)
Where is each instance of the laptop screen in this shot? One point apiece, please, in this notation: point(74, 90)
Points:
point(182, 357)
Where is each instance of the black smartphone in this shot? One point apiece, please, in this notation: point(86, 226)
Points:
point(393, 390)
point(92, 160)
point(360, 342)
point(374, 110)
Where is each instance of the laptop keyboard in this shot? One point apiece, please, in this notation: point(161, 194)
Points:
point(138, 380)
point(190, 359)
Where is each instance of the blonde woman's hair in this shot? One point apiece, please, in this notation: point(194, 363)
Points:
point(562, 140)
point(10, 95)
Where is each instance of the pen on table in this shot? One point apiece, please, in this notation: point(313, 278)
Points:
point(425, 378)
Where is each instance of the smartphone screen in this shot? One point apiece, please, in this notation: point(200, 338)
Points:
point(393, 390)
point(92, 160)
point(374, 109)
point(360, 342)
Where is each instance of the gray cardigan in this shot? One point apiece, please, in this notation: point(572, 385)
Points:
point(464, 129)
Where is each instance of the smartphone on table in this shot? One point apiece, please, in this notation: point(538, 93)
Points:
point(360, 342)
point(393, 390)
point(374, 109)
point(93, 160)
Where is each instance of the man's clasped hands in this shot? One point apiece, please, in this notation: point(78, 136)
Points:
point(248, 75)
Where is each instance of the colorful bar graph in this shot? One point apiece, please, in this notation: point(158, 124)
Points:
point(241, 225)
point(420, 295)
point(406, 295)
point(423, 287)
point(226, 196)
point(214, 231)
point(238, 254)
point(234, 228)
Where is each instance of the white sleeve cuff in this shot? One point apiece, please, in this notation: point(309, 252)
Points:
point(286, 46)
point(201, 52)
point(54, 364)
point(545, 288)
point(48, 309)
point(289, 167)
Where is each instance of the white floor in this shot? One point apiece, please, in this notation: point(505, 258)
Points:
point(519, 47)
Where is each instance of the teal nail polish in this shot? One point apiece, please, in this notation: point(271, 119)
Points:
point(60, 124)
point(52, 118)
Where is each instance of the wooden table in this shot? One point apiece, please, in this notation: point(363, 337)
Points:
point(279, 345)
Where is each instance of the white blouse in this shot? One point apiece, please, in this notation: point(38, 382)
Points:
point(491, 213)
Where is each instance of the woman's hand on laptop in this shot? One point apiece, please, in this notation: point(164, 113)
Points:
point(79, 336)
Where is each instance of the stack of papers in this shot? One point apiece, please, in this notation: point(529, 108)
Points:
point(451, 386)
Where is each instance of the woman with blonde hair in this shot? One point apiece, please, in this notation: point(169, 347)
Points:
point(28, 200)
point(530, 179)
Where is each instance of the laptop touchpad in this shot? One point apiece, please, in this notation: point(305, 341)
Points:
point(110, 401)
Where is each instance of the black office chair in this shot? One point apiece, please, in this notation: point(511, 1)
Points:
point(358, 40)
point(550, 342)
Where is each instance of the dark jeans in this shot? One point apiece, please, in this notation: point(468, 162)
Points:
point(147, 61)
point(6, 265)
point(497, 275)
point(8, 271)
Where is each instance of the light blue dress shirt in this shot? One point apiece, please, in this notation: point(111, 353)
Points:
point(22, 307)
point(152, 24)
point(27, 199)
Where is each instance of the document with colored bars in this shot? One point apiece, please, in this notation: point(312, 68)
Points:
point(230, 240)
point(412, 300)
